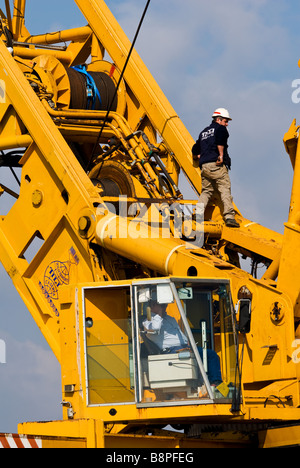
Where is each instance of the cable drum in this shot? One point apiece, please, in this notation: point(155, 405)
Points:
point(106, 88)
point(78, 89)
point(113, 178)
point(91, 90)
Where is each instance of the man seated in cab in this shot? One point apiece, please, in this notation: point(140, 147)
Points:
point(164, 331)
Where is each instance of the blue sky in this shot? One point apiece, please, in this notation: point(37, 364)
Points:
point(239, 54)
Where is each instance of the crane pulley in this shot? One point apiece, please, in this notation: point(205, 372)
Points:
point(102, 247)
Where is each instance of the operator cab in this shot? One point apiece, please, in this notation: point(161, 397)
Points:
point(180, 328)
point(161, 342)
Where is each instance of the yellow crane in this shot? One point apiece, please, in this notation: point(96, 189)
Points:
point(100, 234)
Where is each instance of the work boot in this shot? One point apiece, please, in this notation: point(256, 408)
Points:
point(231, 222)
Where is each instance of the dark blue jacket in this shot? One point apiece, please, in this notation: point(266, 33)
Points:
point(207, 144)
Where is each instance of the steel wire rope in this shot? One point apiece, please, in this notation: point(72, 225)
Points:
point(118, 85)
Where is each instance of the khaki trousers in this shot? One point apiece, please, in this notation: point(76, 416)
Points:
point(216, 179)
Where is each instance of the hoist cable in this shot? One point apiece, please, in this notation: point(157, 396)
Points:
point(119, 82)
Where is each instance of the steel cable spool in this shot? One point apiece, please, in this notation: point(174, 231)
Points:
point(106, 88)
point(78, 89)
point(82, 87)
point(83, 97)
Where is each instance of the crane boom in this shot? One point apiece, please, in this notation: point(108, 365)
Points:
point(99, 237)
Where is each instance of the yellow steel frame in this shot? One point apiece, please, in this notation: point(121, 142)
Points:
point(57, 205)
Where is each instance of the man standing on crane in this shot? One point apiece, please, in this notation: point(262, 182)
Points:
point(214, 160)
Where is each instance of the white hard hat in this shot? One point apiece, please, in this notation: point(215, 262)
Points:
point(221, 112)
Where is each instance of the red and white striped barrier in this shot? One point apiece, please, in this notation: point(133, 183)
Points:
point(18, 441)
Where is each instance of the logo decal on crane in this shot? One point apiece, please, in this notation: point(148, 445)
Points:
point(57, 274)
